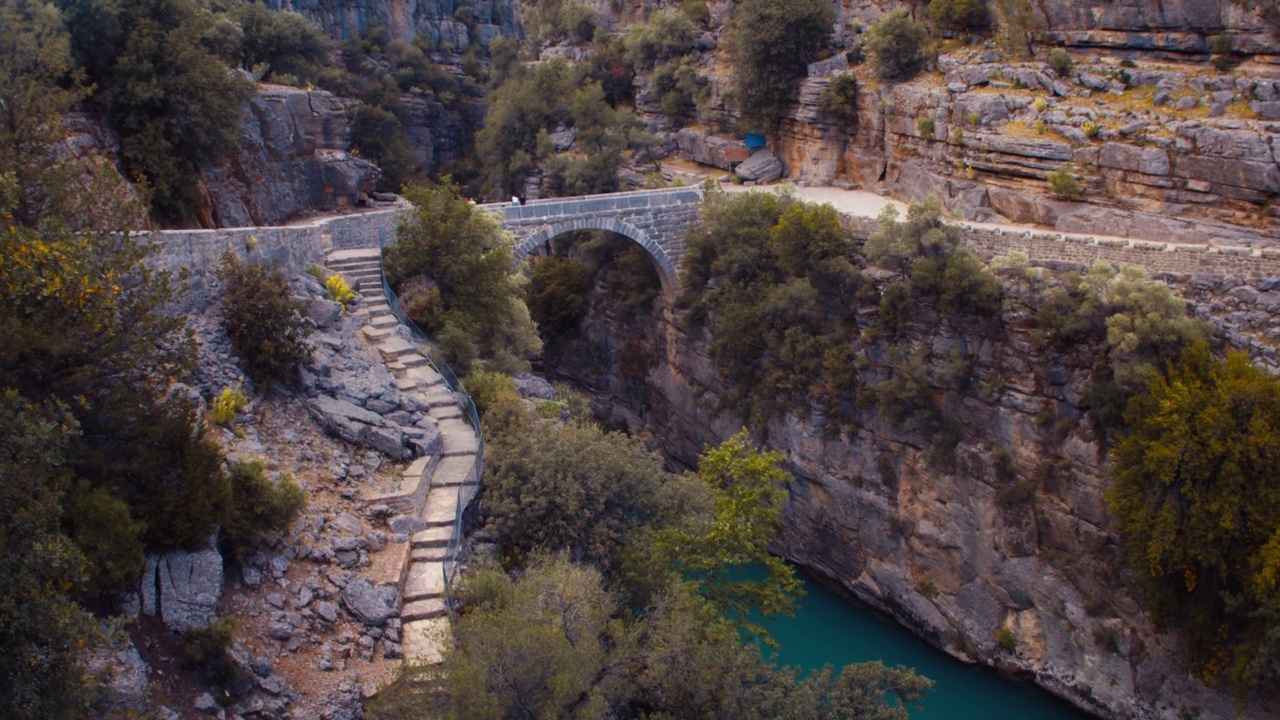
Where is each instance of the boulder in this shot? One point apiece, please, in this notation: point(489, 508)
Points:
point(761, 167)
point(323, 312)
point(183, 588)
point(534, 387)
point(124, 675)
point(371, 604)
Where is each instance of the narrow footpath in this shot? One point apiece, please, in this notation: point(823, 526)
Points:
point(432, 484)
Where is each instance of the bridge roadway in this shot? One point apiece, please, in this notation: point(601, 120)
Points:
point(657, 220)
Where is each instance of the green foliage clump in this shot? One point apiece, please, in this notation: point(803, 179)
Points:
point(960, 15)
point(258, 506)
point(338, 291)
point(1017, 24)
point(775, 277)
point(488, 389)
point(44, 631)
point(227, 405)
point(897, 45)
point(206, 650)
point(924, 126)
point(667, 36)
point(557, 293)
point(279, 45)
point(1006, 640)
point(532, 102)
point(681, 89)
point(1197, 502)
point(1140, 322)
point(452, 266)
point(157, 75)
point(569, 488)
point(840, 98)
point(1061, 62)
point(772, 42)
point(263, 320)
point(930, 253)
point(1064, 185)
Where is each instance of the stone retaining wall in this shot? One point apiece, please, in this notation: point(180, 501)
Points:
point(1155, 257)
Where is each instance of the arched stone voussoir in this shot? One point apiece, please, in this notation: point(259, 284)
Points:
point(663, 262)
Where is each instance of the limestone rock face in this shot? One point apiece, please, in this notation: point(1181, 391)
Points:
point(292, 161)
point(183, 588)
point(439, 20)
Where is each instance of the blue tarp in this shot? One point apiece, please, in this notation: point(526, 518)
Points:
point(754, 141)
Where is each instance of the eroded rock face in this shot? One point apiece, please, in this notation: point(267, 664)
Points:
point(945, 542)
point(183, 588)
point(293, 161)
point(444, 21)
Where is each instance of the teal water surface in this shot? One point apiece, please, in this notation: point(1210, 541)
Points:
point(828, 629)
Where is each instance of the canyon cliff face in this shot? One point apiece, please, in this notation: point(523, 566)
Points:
point(292, 162)
point(1011, 530)
point(452, 25)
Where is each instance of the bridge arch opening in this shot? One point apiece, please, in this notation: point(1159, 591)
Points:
point(662, 262)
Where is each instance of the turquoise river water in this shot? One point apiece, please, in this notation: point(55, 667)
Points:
point(828, 629)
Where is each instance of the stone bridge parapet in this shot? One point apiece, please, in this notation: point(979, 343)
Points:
point(657, 220)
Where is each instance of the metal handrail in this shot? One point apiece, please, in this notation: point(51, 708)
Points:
point(471, 483)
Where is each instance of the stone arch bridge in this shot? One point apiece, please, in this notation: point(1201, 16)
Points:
point(657, 220)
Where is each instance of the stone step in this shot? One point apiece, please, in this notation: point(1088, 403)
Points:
point(425, 580)
point(397, 348)
point(429, 554)
point(375, 333)
point(383, 320)
point(441, 508)
point(438, 395)
point(451, 471)
point(425, 376)
point(431, 537)
point(407, 362)
point(423, 640)
point(404, 384)
point(446, 412)
point(459, 438)
point(422, 610)
point(353, 255)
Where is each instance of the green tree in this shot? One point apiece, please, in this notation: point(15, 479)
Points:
point(772, 42)
point(721, 556)
point(278, 45)
point(452, 265)
point(258, 506)
point(960, 15)
point(897, 44)
point(1197, 501)
point(43, 631)
point(840, 98)
point(1017, 22)
point(264, 321)
point(156, 72)
point(569, 488)
point(557, 293)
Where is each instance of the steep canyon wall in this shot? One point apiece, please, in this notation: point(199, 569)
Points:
point(1009, 531)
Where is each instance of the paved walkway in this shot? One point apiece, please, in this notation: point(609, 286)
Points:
point(432, 484)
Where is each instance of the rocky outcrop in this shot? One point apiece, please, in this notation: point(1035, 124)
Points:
point(183, 588)
point(987, 139)
point(292, 162)
point(1010, 530)
point(451, 24)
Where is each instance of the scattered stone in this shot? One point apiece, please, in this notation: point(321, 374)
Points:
point(371, 605)
point(190, 584)
point(261, 666)
point(280, 631)
point(535, 387)
point(275, 600)
point(327, 611)
point(206, 704)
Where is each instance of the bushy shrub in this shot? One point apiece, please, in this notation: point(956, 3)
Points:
point(1006, 640)
point(227, 405)
point(772, 42)
point(206, 650)
point(924, 126)
point(1061, 62)
point(258, 506)
point(1063, 184)
point(488, 388)
point(338, 290)
point(897, 44)
point(959, 15)
point(840, 98)
point(264, 322)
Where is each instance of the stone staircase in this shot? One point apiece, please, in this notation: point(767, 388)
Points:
point(431, 484)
